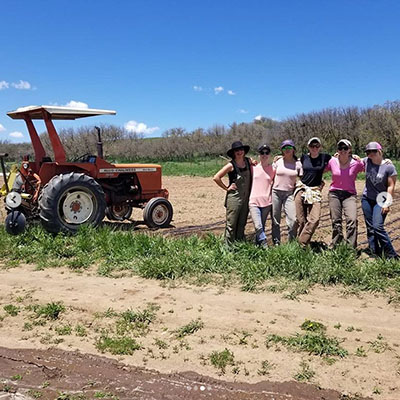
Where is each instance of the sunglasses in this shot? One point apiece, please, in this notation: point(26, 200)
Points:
point(287, 148)
point(315, 146)
point(343, 148)
point(264, 152)
point(371, 151)
point(239, 149)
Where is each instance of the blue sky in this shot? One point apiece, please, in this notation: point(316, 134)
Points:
point(165, 64)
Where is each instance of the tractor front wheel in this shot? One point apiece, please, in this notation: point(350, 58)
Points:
point(158, 213)
point(71, 200)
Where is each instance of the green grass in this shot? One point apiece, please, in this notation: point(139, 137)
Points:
point(313, 343)
point(117, 345)
point(200, 259)
point(207, 167)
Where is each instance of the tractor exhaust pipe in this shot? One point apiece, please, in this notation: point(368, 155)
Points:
point(99, 143)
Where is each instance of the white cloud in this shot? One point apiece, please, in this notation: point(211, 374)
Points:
point(76, 104)
point(258, 118)
point(231, 93)
point(218, 90)
point(140, 127)
point(197, 88)
point(2, 129)
point(22, 85)
point(4, 85)
point(243, 111)
point(16, 134)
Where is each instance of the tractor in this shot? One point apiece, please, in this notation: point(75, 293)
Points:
point(67, 194)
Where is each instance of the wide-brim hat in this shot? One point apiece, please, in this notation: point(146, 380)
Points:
point(237, 145)
point(373, 146)
point(288, 142)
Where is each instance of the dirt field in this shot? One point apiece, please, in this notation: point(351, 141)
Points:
point(366, 324)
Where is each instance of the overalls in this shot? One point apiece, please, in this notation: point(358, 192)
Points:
point(237, 202)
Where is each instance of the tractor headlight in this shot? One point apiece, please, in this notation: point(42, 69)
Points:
point(13, 200)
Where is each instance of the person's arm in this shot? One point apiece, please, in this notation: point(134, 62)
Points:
point(390, 190)
point(220, 174)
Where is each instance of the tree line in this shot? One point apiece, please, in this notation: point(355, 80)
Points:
point(360, 125)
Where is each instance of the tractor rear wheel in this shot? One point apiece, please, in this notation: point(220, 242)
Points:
point(71, 200)
point(118, 212)
point(158, 213)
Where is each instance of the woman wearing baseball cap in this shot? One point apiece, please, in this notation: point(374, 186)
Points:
point(287, 169)
point(376, 200)
point(260, 202)
point(239, 171)
point(308, 191)
point(342, 192)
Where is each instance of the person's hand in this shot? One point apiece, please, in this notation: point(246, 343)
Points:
point(276, 158)
point(253, 162)
point(385, 210)
point(356, 157)
point(232, 187)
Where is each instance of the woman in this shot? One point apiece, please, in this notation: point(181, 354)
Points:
point(260, 202)
point(287, 168)
point(342, 192)
point(239, 171)
point(377, 197)
point(308, 191)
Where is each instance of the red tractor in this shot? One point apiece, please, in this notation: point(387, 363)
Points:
point(65, 195)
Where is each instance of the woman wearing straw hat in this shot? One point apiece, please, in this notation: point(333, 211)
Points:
point(380, 181)
point(239, 171)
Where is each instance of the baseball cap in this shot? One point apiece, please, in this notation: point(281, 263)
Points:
point(288, 142)
point(373, 146)
point(314, 139)
point(345, 142)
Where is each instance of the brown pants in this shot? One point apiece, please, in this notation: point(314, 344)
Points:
point(341, 202)
point(307, 218)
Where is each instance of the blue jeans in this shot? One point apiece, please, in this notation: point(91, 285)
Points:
point(378, 240)
point(259, 216)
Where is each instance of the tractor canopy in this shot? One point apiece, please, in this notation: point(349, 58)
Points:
point(48, 113)
point(56, 112)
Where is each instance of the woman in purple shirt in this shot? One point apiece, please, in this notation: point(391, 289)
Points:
point(342, 193)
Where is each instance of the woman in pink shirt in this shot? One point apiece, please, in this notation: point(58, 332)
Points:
point(287, 169)
point(343, 194)
point(260, 202)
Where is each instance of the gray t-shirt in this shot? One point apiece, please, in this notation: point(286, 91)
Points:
point(376, 178)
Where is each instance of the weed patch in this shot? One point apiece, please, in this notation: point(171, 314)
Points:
point(192, 327)
point(221, 359)
point(117, 345)
point(313, 343)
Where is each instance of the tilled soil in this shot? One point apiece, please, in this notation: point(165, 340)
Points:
point(52, 372)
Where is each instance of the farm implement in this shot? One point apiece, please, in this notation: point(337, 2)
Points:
point(67, 194)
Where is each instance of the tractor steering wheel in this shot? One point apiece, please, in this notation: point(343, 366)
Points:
point(82, 158)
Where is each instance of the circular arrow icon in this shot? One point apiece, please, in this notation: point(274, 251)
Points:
point(384, 199)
